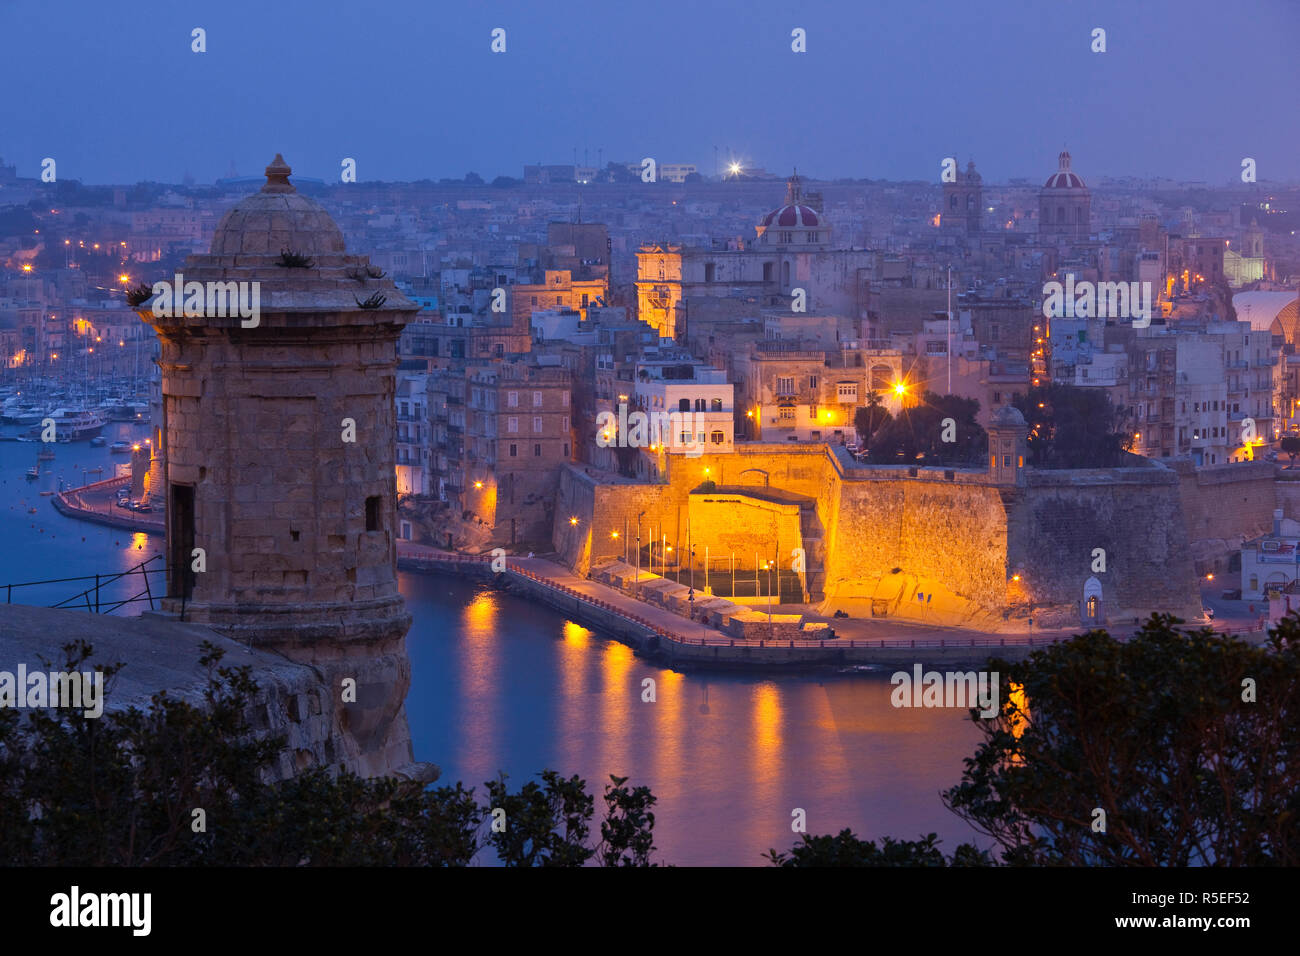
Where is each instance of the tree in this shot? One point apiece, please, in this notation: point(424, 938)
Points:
point(1291, 445)
point(474, 179)
point(869, 418)
point(845, 849)
point(1071, 427)
point(918, 435)
point(121, 790)
point(1185, 740)
point(503, 182)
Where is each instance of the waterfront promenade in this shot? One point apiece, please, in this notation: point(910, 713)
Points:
point(97, 502)
point(661, 631)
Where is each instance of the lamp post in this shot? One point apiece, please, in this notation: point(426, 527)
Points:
point(636, 582)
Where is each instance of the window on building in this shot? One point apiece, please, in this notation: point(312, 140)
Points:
point(372, 513)
point(718, 438)
point(812, 381)
point(787, 414)
point(684, 405)
point(534, 300)
point(512, 424)
point(501, 350)
point(537, 425)
point(537, 451)
point(699, 404)
point(768, 272)
point(717, 404)
point(785, 385)
point(564, 423)
point(512, 399)
point(514, 451)
point(537, 399)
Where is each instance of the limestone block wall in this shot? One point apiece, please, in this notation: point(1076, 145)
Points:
point(1134, 514)
point(280, 498)
point(746, 525)
point(949, 538)
point(605, 508)
point(1225, 505)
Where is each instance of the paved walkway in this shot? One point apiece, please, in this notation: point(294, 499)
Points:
point(894, 632)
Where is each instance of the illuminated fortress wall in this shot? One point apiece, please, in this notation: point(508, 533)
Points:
point(876, 537)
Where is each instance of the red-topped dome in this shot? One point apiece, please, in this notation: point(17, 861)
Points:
point(1063, 178)
point(791, 216)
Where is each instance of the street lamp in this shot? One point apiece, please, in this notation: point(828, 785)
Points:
point(636, 582)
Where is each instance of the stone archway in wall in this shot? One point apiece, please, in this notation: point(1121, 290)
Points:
point(754, 476)
point(1092, 608)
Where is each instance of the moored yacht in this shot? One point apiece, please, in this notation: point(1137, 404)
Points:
point(72, 424)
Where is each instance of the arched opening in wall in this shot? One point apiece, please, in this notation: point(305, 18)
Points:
point(882, 378)
point(1093, 612)
point(785, 273)
point(767, 272)
point(1276, 581)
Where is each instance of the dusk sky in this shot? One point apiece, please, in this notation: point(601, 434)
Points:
point(411, 90)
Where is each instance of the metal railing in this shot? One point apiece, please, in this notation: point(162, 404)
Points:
point(100, 604)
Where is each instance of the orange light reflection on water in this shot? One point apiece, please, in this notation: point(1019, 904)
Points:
point(479, 666)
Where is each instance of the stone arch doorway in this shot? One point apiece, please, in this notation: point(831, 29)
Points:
point(1092, 609)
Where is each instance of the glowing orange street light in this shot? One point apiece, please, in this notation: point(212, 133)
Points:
point(478, 484)
point(900, 388)
point(613, 534)
point(124, 278)
point(27, 267)
point(573, 520)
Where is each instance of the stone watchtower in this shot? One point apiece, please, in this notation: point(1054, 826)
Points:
point(1008, 438)
point(278, 424)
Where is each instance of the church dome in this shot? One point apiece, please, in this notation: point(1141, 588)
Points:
point(791, 216)
point(276, 219)
point(1007, 415)
point(1063, 178)
point(794, 214)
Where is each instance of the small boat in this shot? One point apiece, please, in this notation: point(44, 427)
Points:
point(120, 447)
point(46, 494)
point(33, 473)
point(99, 441)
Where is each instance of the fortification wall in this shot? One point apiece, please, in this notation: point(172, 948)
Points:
point(1225, 505)
point(1134, 515)
point(935, 545)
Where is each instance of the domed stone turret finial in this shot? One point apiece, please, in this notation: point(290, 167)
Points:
point(277, 177)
